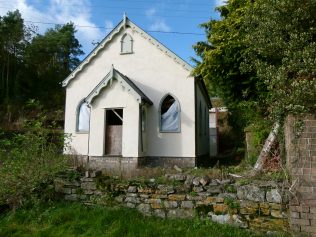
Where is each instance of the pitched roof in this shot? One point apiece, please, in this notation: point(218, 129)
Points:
point(126, 22)
point(124, 81)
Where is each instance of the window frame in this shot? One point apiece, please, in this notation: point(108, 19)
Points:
point(132, 44)
point(143, 118)
point(159, 114)
point(77, 118)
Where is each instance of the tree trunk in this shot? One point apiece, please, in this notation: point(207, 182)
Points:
point(267, 147)
point(3, 80)
point(7, 78)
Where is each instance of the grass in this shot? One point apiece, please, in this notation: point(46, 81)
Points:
point(75, 219)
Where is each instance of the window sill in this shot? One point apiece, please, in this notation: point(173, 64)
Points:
point(126, 53)
point(81, 132)
point(179, 131)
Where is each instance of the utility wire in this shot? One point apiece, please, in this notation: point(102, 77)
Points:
point(107, 28)
point(172, 3)
point(115, 14)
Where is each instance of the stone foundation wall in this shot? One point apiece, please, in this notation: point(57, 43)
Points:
point(167, 162)
point(129, 167)
point(300, 138)
point(122, 166)
point(260, 205)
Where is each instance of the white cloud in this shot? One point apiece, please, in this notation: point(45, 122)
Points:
point(59, 11)
point(78, 12)
point(159, 25)
point(150, 12)
point(220, 2)
point(108, 26)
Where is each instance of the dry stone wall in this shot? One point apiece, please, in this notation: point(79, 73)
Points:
point(259, 205)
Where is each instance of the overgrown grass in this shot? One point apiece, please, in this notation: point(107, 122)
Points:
point(74, 219)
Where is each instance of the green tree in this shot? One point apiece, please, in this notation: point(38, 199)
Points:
point(221, 58)
point(12, 44)
point(51, 57)
point(222, 55)
point(32, 65)
point(281, 36)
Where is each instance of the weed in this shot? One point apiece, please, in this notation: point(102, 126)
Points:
point(203, 210)
point(193, 194)
point(232, 204)
point(30, 161)
point(230, 188)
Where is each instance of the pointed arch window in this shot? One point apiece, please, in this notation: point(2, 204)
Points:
point(83, 117)
point(170, 114)
point(126, 44)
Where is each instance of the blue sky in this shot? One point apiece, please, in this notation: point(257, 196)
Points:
point(95, 18)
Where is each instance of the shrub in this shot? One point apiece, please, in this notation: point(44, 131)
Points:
point(28, 162)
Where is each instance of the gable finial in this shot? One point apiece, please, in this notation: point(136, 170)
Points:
point(124, 19)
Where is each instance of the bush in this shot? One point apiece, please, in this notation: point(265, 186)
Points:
point(257, 134)
point(28, 162)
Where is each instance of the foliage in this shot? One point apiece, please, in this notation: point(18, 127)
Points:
point(12, 44)
point(51, 57)
point(32, 65)
point(28, 162)
point(260, 57)
point(221, 57)
point(232, 204)
point(258, 133)
point(73, 219)
point(282, 37)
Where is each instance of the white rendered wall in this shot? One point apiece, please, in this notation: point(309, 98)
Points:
point(156, 74)
point(110, 98)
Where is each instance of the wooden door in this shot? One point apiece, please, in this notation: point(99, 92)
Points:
point(113, 132)
point(113, 140)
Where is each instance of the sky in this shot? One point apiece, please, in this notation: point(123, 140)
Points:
point(175, 23)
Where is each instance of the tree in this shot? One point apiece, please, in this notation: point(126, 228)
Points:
point(52, 57)
point(281, 36)
point(12, 43)
point(32, 65)
point(222, 56)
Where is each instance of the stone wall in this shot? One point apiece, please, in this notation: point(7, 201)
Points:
point(129, 167)
point(300, 138)
point(259, 205)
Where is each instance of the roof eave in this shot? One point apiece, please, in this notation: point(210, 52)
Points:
point(93, 53)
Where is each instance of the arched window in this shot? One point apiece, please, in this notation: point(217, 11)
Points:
point(126, 44)
point(169, 115)
point(83, 118)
